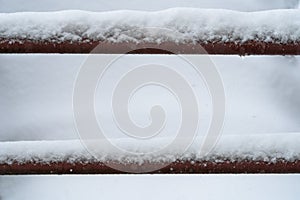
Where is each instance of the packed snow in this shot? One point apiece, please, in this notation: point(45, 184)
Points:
point(176, 24)
point(263, 147)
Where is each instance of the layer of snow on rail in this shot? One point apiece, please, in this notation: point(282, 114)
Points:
point(176, 24)
point(269, 148)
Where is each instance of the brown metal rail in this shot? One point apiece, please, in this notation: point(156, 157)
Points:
point(178, 167)
point(238, 48)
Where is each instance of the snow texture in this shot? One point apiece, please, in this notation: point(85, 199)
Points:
point(154, 5)
point(176, 24)
point(263, 147)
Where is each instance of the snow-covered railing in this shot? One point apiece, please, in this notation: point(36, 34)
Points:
point(180, 31)
point(233, 154)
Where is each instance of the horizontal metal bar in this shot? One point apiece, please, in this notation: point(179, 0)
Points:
point(234, 48)
point(177, 167)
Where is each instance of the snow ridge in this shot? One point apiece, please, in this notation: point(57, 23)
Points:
point(176, 24)
point(265, 147)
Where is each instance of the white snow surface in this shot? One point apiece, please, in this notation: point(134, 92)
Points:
point(263, 147)
point(175, 24)
point(262, 109)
